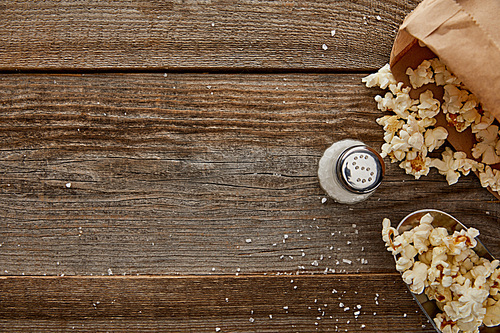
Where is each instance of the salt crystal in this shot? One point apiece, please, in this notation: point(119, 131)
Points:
point(378, 17)
point(248, 240)
point(347, 261)
point(217, 329)
point(110, 272)
point(68, 185)
point(333, 32)
point(323, 200)
point(325, 47)
point(363, 325)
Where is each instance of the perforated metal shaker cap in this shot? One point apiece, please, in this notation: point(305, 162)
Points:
point(360, 169)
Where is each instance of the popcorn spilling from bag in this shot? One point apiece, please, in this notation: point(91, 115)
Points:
point(410, 134)
point(466, 287)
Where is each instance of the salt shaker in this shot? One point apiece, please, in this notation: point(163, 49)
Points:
point(350, 171)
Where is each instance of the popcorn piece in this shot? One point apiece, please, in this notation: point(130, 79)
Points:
point(435, 137)
point(388, 233)
point(445, 324)
point(383, 78)
point(460, 107)
point(453, 162)
point(391, 125)
point(439, 293)
point(485, 121)
point(490, 177)
point(442, 76)
point(416, 277)
point(486, 145)
point(398, 101)
point(428, 107)
point(421, 75)
point(494, 282)
point(416, 164)
point(403, 264)
point(437, 235)
point(492, 315)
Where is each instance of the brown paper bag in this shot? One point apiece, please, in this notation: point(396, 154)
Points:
point(465, 35)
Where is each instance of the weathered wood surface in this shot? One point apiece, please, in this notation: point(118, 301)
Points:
point(168, 178)
point(244, 304)
point(198, 34)
point(196, 193)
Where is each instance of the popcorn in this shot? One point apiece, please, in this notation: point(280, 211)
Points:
point(421, 75)
point(441, 74)
point(487, 145)
point(435, 137)
point(416, 164)
point(428, 107)
point(383, 78)
point(492, 315)
point(391, 125)
point(416, 277)
point(466, 287)
point(445, 324)
point(485, 121)
point(490, 177)
point(409, 133)
point(398, 101)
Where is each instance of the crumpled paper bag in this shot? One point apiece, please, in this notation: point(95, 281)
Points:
point(465, 35)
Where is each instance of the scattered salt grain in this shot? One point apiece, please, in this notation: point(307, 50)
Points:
point(248, 240)
point(68, 185)
point(325, 47)
point(110, 272)
point(323, 200)
point(333, 32)
point(217, 329)
point(378, 18)
point(347, 261)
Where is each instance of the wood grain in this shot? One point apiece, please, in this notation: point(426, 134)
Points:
point(167, 178)
point(203, 304)
point(198, 34)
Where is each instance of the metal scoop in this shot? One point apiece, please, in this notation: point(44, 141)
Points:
point(441, 219)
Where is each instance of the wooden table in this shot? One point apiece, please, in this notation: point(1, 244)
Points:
point(158, 165)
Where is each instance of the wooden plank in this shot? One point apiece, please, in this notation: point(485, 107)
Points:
point(203, 304)
point(198, 174)
point(198, 34)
